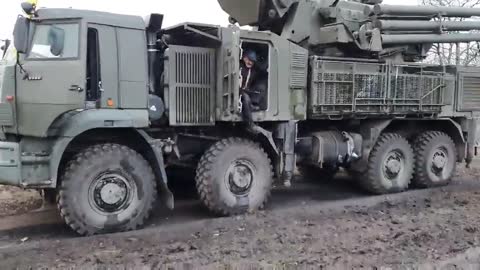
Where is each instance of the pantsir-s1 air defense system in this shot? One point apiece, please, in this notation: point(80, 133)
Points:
point(98, 109)
point(364, 29)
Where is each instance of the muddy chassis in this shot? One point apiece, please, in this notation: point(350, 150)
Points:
point(109, 180)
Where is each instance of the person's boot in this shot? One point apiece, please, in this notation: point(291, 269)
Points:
point(287, 179)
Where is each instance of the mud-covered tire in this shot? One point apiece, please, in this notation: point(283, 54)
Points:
point(234, 177)
point(435, 159)
point(106, 188)
point(390, 165)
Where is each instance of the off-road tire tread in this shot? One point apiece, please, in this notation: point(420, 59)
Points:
point(421, 179)
point(75, 163)
point(371, 183)
point(203, 178)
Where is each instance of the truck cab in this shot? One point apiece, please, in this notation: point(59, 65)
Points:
point(72, 63)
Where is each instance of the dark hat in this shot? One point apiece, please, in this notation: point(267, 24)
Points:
point(252, 55)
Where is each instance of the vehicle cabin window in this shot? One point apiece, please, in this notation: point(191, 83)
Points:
point(55, 41)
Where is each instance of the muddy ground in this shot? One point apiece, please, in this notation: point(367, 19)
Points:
point(333, 225)
point(14, 201)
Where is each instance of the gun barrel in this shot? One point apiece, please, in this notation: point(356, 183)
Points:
point(399, 10)
point(386, 25)
point(429, 38)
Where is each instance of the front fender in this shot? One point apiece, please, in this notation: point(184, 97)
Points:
point(72, 124)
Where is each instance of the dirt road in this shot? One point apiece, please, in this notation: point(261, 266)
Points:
point(332, 225)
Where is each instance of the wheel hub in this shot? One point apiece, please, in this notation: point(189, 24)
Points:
point(240, 177)
point(393, 165)
point(110, 192)
point(439, 159)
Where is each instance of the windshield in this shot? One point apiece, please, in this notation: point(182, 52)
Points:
point(55, 41)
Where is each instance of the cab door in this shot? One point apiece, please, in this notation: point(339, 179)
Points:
point(230, 71)
point(51, 79)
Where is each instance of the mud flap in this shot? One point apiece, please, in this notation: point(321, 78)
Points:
point(258, 130)
point(159, 169)
point(473, 141)
point(166, 195)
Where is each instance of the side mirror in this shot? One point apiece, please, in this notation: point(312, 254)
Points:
point(20, 34)
point(56, 40)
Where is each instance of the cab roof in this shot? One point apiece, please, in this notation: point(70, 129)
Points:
point(105, 18)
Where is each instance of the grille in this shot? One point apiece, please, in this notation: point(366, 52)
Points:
point(298, 74)
point(7, 78)
point(193, 105)
point(193, 68)
point(192, 86)
point(471, 94)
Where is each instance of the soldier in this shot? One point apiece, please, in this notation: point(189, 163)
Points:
point(248, 75)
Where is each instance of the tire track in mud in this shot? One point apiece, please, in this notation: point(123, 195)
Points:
point(344, 193)
point(189, 229)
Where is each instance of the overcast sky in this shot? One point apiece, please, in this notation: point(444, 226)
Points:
point(176, 11)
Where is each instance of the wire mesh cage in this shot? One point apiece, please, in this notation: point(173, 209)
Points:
point(373, 88)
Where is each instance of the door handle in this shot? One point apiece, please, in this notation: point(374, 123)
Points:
point(75, 88)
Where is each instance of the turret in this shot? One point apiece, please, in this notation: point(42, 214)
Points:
point(358, 28)
point(256, 12)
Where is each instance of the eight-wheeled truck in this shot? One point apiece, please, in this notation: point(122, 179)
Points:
point(97, 107)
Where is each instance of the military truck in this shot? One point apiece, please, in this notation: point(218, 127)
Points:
point(96, 107)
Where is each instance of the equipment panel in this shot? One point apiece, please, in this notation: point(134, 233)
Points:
point(469, 92)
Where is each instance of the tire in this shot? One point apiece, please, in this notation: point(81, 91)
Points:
point(435, 160)
point(219, 181)
point(311, 173)
point(107, 188)
point(390, 165)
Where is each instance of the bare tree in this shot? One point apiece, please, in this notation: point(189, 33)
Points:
point(446, 53)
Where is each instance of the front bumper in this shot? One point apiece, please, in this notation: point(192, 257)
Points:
point(10, 164)
point(32, 162)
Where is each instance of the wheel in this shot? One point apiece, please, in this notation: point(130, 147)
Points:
point(234, 177)
point(435, 159)
point(311, 173)
point(390, 165)
point(107, 188)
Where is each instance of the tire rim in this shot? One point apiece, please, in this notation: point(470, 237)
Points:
point(239, 177)
point(393, 165)
point(439, 162)
point(110, 192)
